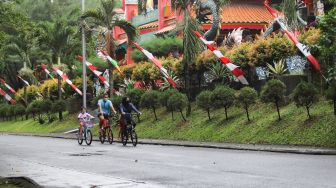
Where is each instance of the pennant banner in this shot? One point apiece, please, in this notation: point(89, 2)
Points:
point(24, 81)
point(112, 61)
point(303, 48)
point(7, 97)
point(157, 63)
point(95, 71)
point(7, 86)
point(67, 80)
point(44, 67)
point(226, 61)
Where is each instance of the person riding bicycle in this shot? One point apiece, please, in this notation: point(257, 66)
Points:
point(82, 119)
point(105, 108)
point(126, 108)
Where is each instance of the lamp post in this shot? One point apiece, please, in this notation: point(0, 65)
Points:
point(84, 58)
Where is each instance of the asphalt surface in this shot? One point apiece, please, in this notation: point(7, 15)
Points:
point(53, 162)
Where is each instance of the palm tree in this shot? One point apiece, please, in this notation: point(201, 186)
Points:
point(105, 16)
point(57, 36)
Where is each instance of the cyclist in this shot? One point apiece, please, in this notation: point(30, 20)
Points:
point(81, 117)
point(105, 107)
point(126, 108)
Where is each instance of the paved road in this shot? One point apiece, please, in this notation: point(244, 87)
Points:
point(63, 163)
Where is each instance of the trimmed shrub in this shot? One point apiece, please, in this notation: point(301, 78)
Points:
point(59, 106)
point(19, 110)
point(135, 96)
point(177, 101)
point(3, 111)
point(223, 97)
point(164, 96)
point(116, 101)
point(150, 100)
point(331, 94)
point(205, 102)
point(305, 95)
point(274, 92)
point(246, 97)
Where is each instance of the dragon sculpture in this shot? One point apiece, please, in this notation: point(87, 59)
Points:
point(206, 8)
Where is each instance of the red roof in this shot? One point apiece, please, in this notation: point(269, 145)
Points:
point(166, 29)
point(246, 11)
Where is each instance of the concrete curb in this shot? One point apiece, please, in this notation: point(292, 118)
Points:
point(247, 147)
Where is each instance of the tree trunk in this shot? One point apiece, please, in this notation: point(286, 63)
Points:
point(277, 106)
point(184, 119)
point(247, 113)
point(111, 80)
point(307, 107)
point(110, 48)
point(226, 116)
point(154, 113)
point(25, 94)
point(208, 110)
point(335, 105)
point(172, 113)
point(60, 115)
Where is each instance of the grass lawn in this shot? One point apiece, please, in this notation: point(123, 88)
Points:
point(264, 128)
point(31, 126)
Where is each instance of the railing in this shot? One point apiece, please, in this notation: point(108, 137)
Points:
point(149, 17)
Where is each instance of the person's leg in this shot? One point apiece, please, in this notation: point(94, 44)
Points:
point(80, 129)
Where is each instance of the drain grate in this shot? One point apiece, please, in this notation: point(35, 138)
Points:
point(84, 154)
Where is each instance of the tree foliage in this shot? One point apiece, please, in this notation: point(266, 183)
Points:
point(305, 95)
point(274, 92)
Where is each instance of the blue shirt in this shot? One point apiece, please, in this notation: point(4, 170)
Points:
point(105, 105)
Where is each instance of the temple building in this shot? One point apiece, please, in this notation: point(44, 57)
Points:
point(161, 18)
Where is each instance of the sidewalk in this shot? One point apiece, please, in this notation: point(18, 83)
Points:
point(249, 147)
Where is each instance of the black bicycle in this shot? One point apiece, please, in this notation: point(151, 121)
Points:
point(129, 132)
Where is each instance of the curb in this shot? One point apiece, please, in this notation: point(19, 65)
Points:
point(246, 147)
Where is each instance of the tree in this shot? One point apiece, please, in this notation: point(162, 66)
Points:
point(273, 92)
point(305, 94)
point(165, 95)
point(57, 36)
point(246, 97)
point(223, 97)
point(177, 101)
point(331, 92)
point(135, 96)
point(105, 16)
point(327, 42)
point(59, 106)
point(150, 100)
point(204, 101)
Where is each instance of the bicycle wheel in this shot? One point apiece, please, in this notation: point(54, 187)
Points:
point(79, 138)
point(134, 138)
point(109, 135)
point(124, 137)
point(88, 137)
point(102, 136)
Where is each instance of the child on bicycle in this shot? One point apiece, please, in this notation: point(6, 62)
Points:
point(83, 117)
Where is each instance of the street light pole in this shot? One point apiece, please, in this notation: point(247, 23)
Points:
point(84, 58)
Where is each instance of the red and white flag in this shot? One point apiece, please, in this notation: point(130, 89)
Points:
point(7, 97)
point(291, 35)
point(7, 86)
point(24, 81)
point(158, 64)
point(112, 61)
point(67, 80)
point(95, 71)
point(226, 61)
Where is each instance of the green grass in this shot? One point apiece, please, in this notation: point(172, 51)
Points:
point(31, 126)
point(264, 128)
